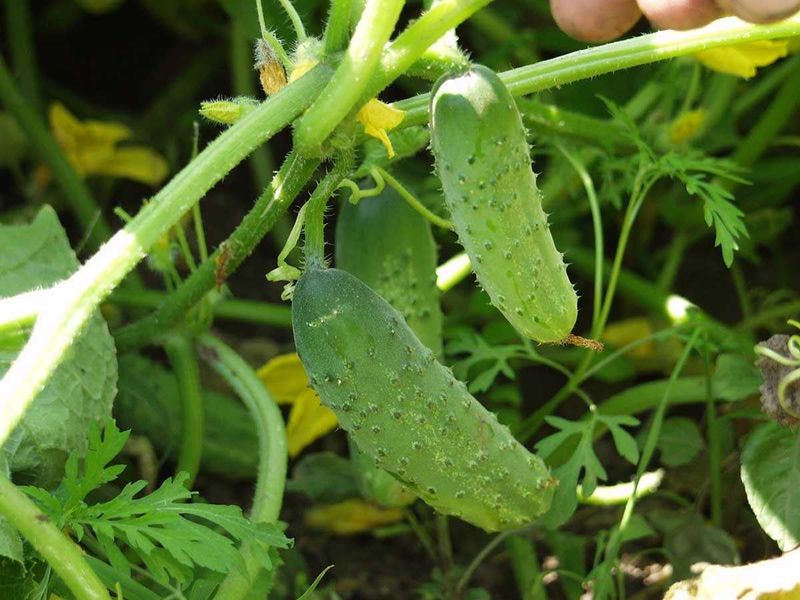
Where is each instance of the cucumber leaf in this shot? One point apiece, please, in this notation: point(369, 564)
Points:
point(771, 477)
point(82, 388)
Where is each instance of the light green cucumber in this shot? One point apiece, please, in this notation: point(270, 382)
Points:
point(483, 161)
point(407, 411)
point(390, 247)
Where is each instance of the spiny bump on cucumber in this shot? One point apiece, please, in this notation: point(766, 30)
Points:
point(452, 456)
point(483, 162)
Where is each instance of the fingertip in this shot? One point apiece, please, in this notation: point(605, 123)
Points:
point(595, 20)
point(763, 11)
point(679, 14)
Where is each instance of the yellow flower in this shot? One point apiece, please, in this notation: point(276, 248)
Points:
point(309, 420)
point(284, 377)
point(378, 118)
point(686, 126)
point(351, 517)
point(91, 148)
point(744, 59)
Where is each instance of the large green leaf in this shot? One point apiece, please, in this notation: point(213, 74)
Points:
point(771, 477)
point(148, 403)
point(82, 388)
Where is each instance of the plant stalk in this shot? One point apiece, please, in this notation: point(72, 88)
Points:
point(60, 552)
point(272, 452)
point(345, 89)
point(183, 360)
point(633, 52)
point(78, 297)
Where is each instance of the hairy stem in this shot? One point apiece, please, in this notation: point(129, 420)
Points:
point(78, 296)
point(286, 185)
point(272, 452)
point(60, 552)
point(233, 309)
point(183, 360)
point(416, 38)
point(337, 30)
point(625, 54)
point(347, 85)
point(315, 216)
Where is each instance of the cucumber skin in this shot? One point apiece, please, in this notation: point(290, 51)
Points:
point(407, 411)
point(483, 161)
point(390, 247)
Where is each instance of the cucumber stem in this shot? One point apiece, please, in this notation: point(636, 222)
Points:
point(315, 225)
point(345, 89)
point(60, 552)
point(233, 309)
point(632, 52)
point(80, 294)
point(183, 360)
point(273, 202)
point(272, 452)
point(337, 29)
point(271, 39)
point(411, 199)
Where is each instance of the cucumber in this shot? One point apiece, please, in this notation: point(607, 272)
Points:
point(483, 161)
point(407, 411)
point(390, 247)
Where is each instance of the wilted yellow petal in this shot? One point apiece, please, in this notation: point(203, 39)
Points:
point(378, 118)
point(90, 146)
point(622, 333)
point(102, 132)
point(687, 126)
point(351, 517)
point(744, 59)
point(284, 377)
point(308, 421)
point(64, 124)
point(138, 163)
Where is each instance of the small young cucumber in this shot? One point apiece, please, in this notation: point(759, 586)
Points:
point(407, 411)
point(390, 247)
point(483, 161)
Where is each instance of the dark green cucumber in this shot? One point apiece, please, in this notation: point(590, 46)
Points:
point(390, 247)
point(407, 411)
point(483, 161)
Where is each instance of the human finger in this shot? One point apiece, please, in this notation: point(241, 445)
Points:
point(680, 14)
point(761, 11)
point(595, 20)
